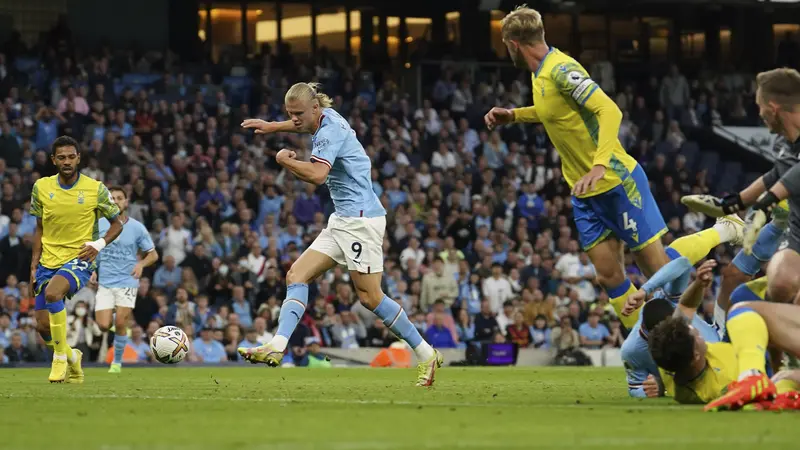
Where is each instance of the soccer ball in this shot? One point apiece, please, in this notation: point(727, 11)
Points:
point(169, 345)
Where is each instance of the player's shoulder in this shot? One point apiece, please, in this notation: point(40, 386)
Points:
point(88, 183)
point(559, 66)
point(45, 182)
point(332, 123)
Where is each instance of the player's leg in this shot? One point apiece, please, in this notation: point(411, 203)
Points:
point(55, 291)
point(605, 252)
point(104, 307)
point(323, 255)
point(125, 300)
point(784, 278)
point(752, 326)
point(362, 242)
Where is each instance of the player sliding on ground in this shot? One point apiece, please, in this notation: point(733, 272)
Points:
point(354, 235)
point(65, 246)
point(611, 200)
point(119, 269)
point(729, 376)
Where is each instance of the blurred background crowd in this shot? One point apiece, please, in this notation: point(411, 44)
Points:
point(480, 243)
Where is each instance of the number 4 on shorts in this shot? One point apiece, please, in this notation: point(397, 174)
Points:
point(628, 223)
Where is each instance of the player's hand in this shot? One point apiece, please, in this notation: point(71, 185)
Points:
point(32, 283)
point(753, 224)
point(588, 182)
point(285, 155)
point(651, 388)
point(705, 273)
point(93, 281)
point(260, 126)
point(633, 302)
point(137, 271)
point(498, 116)
point(88, 253)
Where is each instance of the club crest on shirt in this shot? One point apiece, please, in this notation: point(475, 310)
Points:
point(81, 198)
point(52, 195)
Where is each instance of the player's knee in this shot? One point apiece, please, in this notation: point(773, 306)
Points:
point(610, 277)
point(295, 275)
point(370, 299)
point(43, 328)
point(50, 296)
point(782, 289)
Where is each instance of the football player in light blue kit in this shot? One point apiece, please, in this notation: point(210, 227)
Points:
point(667, 286)
point(119, 268)
point(355, 231)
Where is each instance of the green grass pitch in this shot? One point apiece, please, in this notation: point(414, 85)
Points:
point(192, 408)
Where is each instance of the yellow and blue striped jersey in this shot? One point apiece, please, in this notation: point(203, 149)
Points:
point(722, 369)
point(581, 120)
point(69, 216)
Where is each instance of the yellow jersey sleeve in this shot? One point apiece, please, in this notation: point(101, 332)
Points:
point(36, 202)
point(105, 204)
point(574, 82)
point(526, 115)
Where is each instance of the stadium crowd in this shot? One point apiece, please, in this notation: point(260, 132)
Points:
point(480, 240)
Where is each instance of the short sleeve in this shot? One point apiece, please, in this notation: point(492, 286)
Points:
point(327, 143)
point(573, 81)
point(36, 203)
point(105, 204)
point(102, 227)
point(144, 241)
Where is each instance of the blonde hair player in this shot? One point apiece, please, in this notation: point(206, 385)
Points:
point(354, 234)
point(611, 198)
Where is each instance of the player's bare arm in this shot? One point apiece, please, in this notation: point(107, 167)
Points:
point(36, 255)
point(693, 296)
point(609, 119)
point(90, 250)
point(149, 259)
point(264, 127)
point(315, 173)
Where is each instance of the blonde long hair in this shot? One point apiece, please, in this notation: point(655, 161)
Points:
point(308, 92)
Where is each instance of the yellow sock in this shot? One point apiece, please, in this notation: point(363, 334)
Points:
point(619, 296)
point(696, 246)
point(786, 386)
point(58, 330)
point(749, 336)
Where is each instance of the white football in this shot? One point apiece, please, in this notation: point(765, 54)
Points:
point(169, 345)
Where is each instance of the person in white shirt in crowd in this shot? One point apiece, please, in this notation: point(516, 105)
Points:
point(443, 158)
point(462, 98)
point(506, 316)
point(580, 278)
point(497, 289)
point(438, 286)
point(256, 263)
point(567, 263)
point(176, 241)
point(413, 251)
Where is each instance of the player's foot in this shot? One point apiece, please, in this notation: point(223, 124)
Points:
point(753, 389)
point(706, 204)
point(115, 368)
point(75, 372)
point(426, 370)
point(265, 354)
point(786, 401)
point(58, 370)
point(736, 227)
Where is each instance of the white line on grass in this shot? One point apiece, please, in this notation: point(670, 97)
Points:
point(288, 400)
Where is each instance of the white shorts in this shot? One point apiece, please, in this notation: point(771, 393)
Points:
point(355, 242)
point(109, 298)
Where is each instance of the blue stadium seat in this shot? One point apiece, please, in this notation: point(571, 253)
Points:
point(27, 65)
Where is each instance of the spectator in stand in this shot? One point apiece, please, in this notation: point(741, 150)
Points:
point(565, 337)
point(541, 335)
point(438, 287)
point(485, 323)
point(497, 288)
point(207, 350)
point(518, 332)
point(140, 345)
point(674, 93)
point(594, 334)
point(168, 276)
point(16, 352)
point(438, 335)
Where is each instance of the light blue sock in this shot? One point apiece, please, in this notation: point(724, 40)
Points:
point(396, 320)
point(292, 309)
point(119, 348)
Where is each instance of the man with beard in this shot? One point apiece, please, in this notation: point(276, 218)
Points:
point(611, 197)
